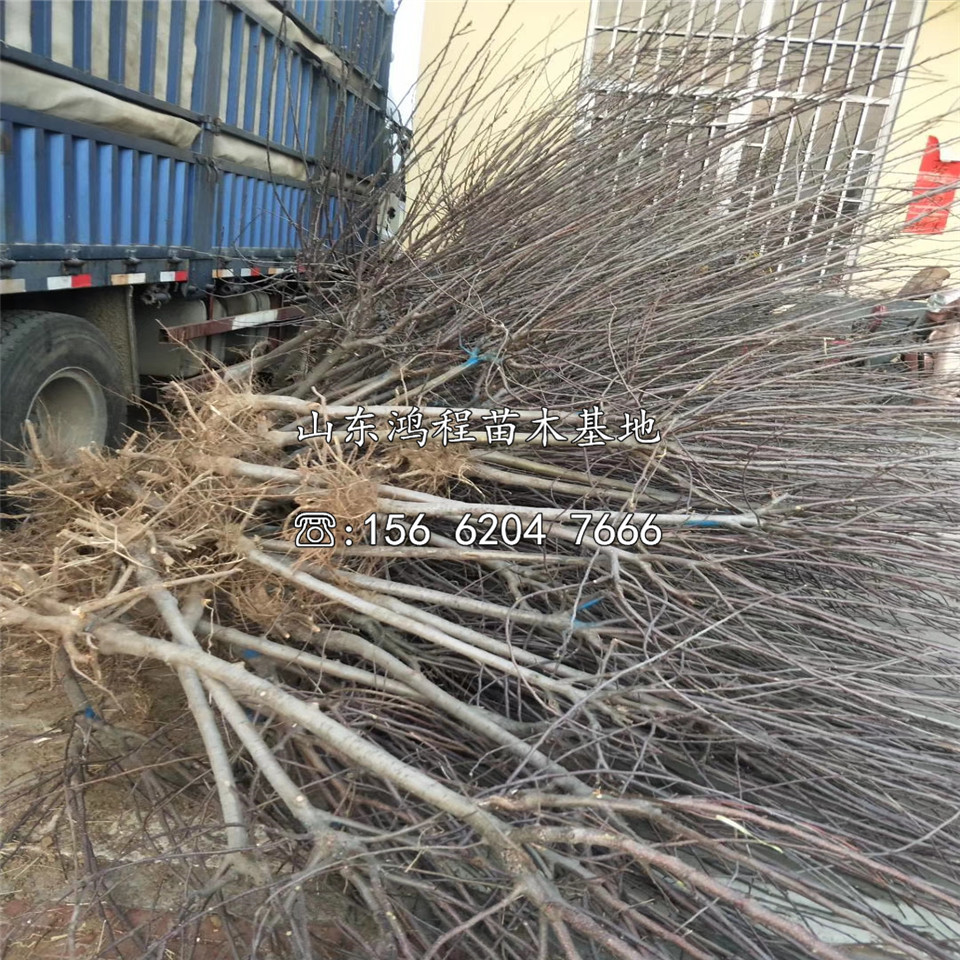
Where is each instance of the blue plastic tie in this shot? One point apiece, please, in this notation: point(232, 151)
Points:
point(475, 356)
point(90, 713)
point(702, 523)
point(581, 624)
point(248, 654)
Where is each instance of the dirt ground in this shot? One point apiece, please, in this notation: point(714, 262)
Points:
point(91, 864)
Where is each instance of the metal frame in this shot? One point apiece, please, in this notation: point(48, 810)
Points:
point(866, 151)
point(29, 266)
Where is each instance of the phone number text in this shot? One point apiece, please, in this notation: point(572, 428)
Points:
point(318, 529)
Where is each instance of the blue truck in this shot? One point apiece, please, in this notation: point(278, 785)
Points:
point(161, 162)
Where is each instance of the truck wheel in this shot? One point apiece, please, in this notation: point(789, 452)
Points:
point(60, 373)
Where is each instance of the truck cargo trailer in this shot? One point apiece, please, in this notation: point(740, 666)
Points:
point(161, 162)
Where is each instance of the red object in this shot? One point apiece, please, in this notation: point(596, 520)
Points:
point(928, 211)
point(876, 321)
point(181, 275)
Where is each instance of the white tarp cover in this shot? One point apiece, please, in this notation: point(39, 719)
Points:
point(35, 90)
point(226, 147)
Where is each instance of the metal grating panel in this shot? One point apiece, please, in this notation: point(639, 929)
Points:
point(744, 64)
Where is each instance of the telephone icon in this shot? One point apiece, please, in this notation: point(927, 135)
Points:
point(315, 529)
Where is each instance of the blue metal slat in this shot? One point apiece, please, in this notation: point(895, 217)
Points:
point(300, 224)
point(346, 26)
point(248, 237)
point(203, 68)
point(366, 147)
point(296, 212)
point(317, 113)
point(321, 216)
point(253, 67)
point(236, 233)
point(292, 132)
point(162, 211)
point(280, 96)
point(356, 32)
point(334, 123)
point(226, 211)
point(126, 190)
point(266, 98)
point(333, 230)
point(276, 229)
point(105, 230)
point(5, 231)
point(310, 214)
point(266, 213)
point(9, 176)
point(361, 36)
point(146, 214)
point(181, 223)
point(269, 213)
point(41, 27)
point(376, 49)
point(69, 179)
point(280, 192)
point(383, 49)
point(303, 207)
point(335, 23)
point(231, 227)
point(322, 18)
point(148, 45)
point(25, 192)
point(82, 34)
point(220, 212)
point(135, 180)
point(349, 8)
point(262, 201)
point(236, 227)
point(83, 180)
point(256, 225)
point(118, 41)
point(178, 17)
point(246, 234)
point(55, 162)
point(235, 77)
point(376, 43)
point(360, 142)
point(283, 217)
point(350, 133)
point(181, 235)
point(368, 39)
point(303, 114)
point(370, 140)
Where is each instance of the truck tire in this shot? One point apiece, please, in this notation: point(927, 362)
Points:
point(60, 373)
